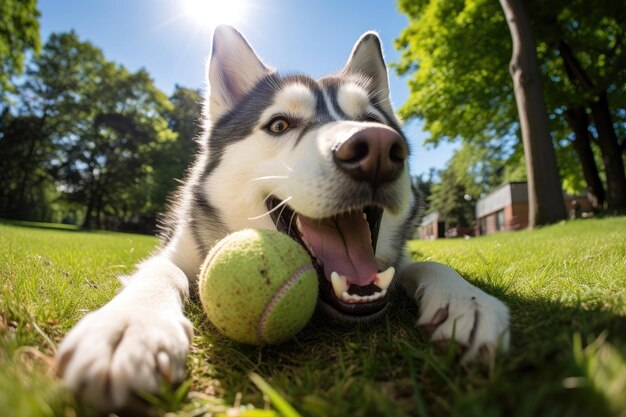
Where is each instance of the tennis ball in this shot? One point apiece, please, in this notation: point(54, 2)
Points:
point(258, 287)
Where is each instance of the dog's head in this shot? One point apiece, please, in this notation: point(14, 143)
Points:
point(322, 160)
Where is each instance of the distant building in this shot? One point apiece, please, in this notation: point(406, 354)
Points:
point(506, 208)
point(431, 227)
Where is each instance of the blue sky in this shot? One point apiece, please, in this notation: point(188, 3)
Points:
point(172, 40)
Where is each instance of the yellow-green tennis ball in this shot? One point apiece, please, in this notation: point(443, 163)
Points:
point(258, 287)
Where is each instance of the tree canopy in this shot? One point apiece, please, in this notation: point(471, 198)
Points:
point(102, 141)
point(457, 53)
point(19, 33)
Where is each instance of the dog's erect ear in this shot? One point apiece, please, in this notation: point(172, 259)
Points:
point(367, 59)
point(233, 71)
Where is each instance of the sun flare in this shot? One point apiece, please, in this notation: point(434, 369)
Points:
point(211, 13)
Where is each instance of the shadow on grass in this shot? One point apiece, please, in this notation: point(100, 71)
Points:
point(48, 226)
point(389, 368)
point(67, 227)
point(566, 358)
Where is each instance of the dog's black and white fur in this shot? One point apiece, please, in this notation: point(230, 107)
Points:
point(299, 155)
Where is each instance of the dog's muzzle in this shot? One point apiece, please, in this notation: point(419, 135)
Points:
point(342, 247)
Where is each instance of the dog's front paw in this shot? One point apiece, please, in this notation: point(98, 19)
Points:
point(112, 353)
point(451, 309)
point(477, 321)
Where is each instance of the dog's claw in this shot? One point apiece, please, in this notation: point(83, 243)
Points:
point(445, 346)
point(440, 316)
point(164, 366)
point(137, 350)
point(453, 310)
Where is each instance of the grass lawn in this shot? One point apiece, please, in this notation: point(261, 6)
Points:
point(565, 285)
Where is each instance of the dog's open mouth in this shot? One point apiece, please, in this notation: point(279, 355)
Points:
point(342, 248)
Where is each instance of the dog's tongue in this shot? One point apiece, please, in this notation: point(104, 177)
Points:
point(344, 245)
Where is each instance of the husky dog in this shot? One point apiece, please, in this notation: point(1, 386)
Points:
point(324, 161)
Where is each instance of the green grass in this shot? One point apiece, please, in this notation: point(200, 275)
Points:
point(565, 285)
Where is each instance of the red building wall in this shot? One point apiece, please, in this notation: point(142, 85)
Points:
point(516, 215)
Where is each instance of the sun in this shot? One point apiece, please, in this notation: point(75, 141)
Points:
point(211, 13)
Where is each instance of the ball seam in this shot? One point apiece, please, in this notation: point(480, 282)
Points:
point(277, 297)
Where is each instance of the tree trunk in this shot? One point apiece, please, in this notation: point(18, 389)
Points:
point(611, 154)
point(93, 196)
point(88, 216)
point(99, 213)
point(102, 191)
point(19, 210)
point(607, 139)
point(579, 123)
point(545, 195)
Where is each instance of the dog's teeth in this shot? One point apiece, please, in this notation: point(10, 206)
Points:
point(364, 216)
point(354, 298)
point(340, 284)
point(377, 295)
point(298, 224)
point(350, 298)
point(383, 279)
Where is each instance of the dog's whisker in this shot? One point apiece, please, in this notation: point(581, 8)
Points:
point(279, 205)
point(381, 100)
point(293, 214)
point(270, 177)
point(268, 196)
point(287, 166)
point(281, 213)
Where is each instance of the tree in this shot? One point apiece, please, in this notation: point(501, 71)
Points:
point(113, 155)
point(458, 52)
point(473, 171)
point(91, 139)
point(24, 180)
point(607, 138)
point(171, 161)
point(545, 199)
point(578, 123)
point(46, 114)
point(585, 58)
point(453, 202)
point(101, 123)
point(456, 81)
point(19, 33)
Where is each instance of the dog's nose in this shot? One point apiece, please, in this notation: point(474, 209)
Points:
point(375, 154)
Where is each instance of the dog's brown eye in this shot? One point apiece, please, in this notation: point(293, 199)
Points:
point(278, 125)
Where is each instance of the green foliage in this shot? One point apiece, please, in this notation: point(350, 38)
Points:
point(458, 53)
point(472, 172)
point(104, 138)
point(171, 160)
point(285, 409)
point(595, 34)
point(19, 33)
point(451, 199)
point(24, 181)
point(572, 178)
